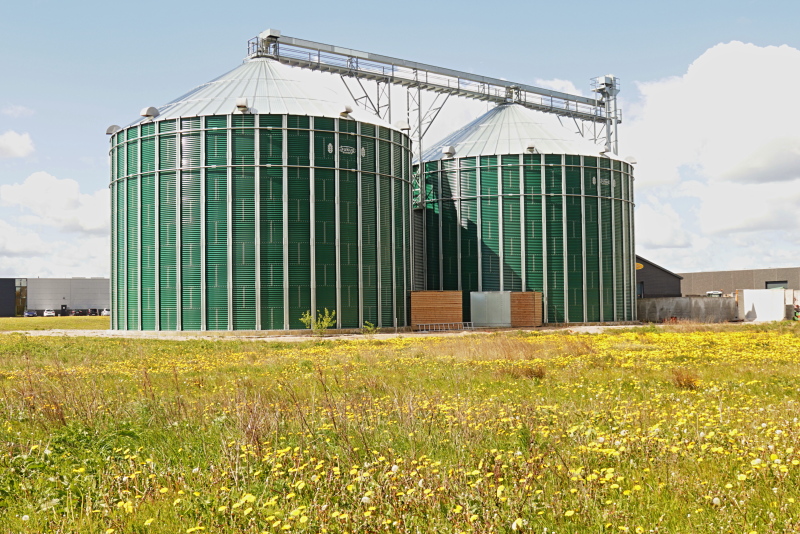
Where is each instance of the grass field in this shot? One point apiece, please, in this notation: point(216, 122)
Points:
point(646, 430)
point(54, 323)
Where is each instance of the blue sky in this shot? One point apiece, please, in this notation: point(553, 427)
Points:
point(71, 69)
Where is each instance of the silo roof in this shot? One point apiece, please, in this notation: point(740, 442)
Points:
point(511, 129)
point(270, 88)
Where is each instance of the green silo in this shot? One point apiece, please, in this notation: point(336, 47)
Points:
point(514, 204)
point(254, 198)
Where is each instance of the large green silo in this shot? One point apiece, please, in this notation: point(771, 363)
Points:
point(511, 204)
point(254, 198)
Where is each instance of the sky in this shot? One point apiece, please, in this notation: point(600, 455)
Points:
point(708, 101)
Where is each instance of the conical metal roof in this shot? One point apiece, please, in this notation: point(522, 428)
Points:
point(511, 129)
point(270, 88)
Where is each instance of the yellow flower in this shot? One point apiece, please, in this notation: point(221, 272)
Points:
point(569, 513)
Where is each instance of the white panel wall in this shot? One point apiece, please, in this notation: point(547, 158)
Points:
point(75, 293)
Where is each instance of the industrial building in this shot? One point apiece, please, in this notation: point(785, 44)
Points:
point(514, 205)
point(654, 281)
point(62, 295)
point(259, 196)
point(728, 282)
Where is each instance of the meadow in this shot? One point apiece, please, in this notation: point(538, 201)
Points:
point(643, 430)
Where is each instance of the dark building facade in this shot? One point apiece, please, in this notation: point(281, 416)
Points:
point(8, 297)
point(729, 281)
point(653, 281)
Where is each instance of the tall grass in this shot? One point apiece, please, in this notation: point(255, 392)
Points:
point(641, 431)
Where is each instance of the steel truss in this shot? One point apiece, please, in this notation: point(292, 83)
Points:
point(594, 118)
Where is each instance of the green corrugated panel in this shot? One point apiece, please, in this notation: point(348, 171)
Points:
point(604, 163)
point(488, 161)
point(604, 182)
point(385, 230)
point(347, 126)
point(368, 149)
point(488, 181)
point(624, 181)
point(192, 123)
point(573, 180)
point(630, 273)
point(432, 245)
point(216, 147)
point(531, 159)
point(243, 121)
point(490, 246)
point(149, 154)
point(190, 250)
point(606, 237)
point(190, 150)
point(619, 260)
point(367, 130)
point(167, 126)
point(270, 121)
point(348, 229)
point(325, 123)
point(616, 185)
point(469, 251)
point(120, 154)
point(118, 254)
point(572, 160)
point(244, 147)
point(216, 249)
point(534, 245)
point(149, 225)
point(325, 237)
point(324, 148)
point(384, 133)
point(532, 178)
point(369, 225)
point(271, 147)
point(348, 150)
point(553, 179)
point(449, 247)
point(409, 253)
point(589, 161)
point(554, 235)
point(397, 159)
point(133, 158)
point(132, 132)
point(244, 250)
point(552, 159)
point(384, 157)
point(432, 185)
point(469, 179)
point(449, 177)
point(590, 181)
point(132, 267)
point(616, 165)
point(217, 122)
point(592, 260)
point(167, 152)
point(297, 121)
point(396, 137)
point(574, 258)
point(299, 245)
point(148, 129)
point(510, 177)
point(271, 184)
point(512, 253)
point(400, 224)
point(298, 147)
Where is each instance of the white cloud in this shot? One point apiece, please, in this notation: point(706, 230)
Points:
point(719, 150)
point(17, 111)
point(45, 200)
point(16, 242)
point(556, 84)
point(15, 145)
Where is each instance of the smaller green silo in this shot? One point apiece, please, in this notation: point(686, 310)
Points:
point(512, 203)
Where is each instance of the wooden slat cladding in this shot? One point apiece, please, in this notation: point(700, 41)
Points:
point(429, 307)
point(526, 309)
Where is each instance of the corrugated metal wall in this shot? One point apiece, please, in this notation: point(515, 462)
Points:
point(246, 222)
point(559, 224)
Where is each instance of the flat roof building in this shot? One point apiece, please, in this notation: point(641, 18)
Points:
point(729, 281)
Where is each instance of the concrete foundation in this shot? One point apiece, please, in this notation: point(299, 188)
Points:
point(702, 309)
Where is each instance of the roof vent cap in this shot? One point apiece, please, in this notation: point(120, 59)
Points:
point(346, 110)
point(402, 125)
point(449, 151)
point(631, 160)
point(150, 112)
point(241, 104)
point(111, 130)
